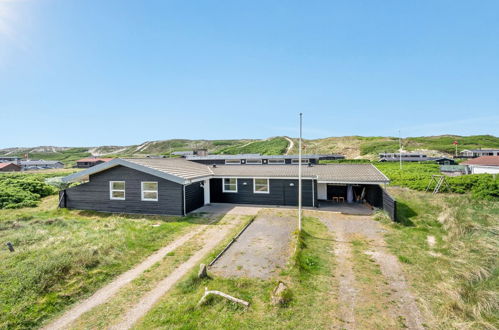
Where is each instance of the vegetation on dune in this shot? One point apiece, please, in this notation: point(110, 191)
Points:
point(443, 143)
point(66, 156)
point(274, 146)
point(62, 256)
point(457, 276)
point(350, 146)
point(307, 303)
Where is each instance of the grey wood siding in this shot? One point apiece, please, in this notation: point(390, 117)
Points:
point(281, 193)
point(94, 195)
point(389, 205)
point(378, 197)
point(194, 196)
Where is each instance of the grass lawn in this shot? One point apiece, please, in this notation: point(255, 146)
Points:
point(62, 256)
point(310, 303)
point(457, 277)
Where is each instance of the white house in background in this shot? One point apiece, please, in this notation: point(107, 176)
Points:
point(484, 164)
point(473, 153)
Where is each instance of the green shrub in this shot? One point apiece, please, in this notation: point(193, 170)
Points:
point(23, 190)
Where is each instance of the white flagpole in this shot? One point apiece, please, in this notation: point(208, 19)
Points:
point(299, 176)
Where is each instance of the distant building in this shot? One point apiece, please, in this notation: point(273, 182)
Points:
point(484, 164)
point(183, 153)
point(41, 164)
point(258, 159)
point(474, 153)
point(405, 156)
point(5, 159)
point(91, 161)
point(414, 157)
point(9, 167)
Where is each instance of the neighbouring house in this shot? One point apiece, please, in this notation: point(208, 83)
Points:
point(91, 161)
point(484, 164)
point(7, 159)
point(474, 153)
point(178, 186)
point(9, 167)
point(258, 159)
point(183, 153)
point(414, 157)
point(41, 164)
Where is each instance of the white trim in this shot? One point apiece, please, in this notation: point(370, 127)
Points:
point(228, 191)
point(232, 161)
point(253, 161)
point(142, 191)
point(262, 177)
point(354, 182)
point(261, 192)
point(111, 190)
point(276, 161)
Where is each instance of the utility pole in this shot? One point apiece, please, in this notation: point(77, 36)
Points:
point(299, 176)
point(400, 150)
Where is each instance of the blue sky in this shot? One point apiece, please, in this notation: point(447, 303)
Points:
point(88, 72)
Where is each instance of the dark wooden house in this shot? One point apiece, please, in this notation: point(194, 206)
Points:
point(177, 186)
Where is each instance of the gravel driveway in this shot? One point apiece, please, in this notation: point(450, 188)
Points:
point(262, 250)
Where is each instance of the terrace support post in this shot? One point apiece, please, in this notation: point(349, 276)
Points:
point(349, 193)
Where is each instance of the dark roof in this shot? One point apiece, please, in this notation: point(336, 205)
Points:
point(484, 160)
point(184, 171)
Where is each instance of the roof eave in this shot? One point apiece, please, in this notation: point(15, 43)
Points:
point(117, 161)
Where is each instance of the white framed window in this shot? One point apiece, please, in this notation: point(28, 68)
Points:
point(253, 161)
point(229, 185)
point(276, 161)
point(296, 161)
point(261, 186)
point(149, 191)
point(232, 161)
point(117, 190)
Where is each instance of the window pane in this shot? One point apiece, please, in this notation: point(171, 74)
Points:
point(150, 195)
point(118, 194)
point(261, 181)
point(230, 184)
point(261, 185)
point(118, 185)
point(150, 186)
point(261, 188)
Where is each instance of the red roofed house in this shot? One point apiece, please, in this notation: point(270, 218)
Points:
point(484, 164)
point(91, 161)
point(9, 167)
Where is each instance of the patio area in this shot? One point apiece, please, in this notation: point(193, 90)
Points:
point(346, 208)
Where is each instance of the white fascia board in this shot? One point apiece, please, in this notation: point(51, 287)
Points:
point(383, 174)
point(352, 182)
point(118, 161)
point(262, 177)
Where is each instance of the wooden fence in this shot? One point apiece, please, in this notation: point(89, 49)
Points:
point(389, 205)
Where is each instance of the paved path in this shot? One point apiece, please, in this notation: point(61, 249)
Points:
point(343, 226)
point(110, 289)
